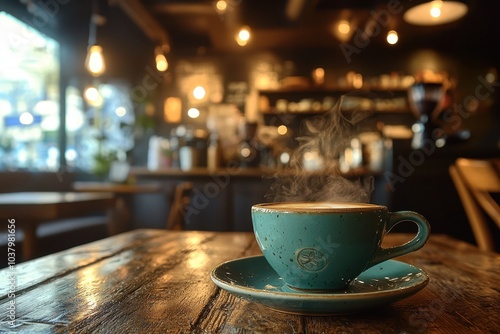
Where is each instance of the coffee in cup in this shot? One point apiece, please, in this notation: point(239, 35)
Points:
point(325, 246)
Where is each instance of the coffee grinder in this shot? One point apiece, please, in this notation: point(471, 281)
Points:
point(426, 102)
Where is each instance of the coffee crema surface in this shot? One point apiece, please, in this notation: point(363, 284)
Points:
point(319, 207)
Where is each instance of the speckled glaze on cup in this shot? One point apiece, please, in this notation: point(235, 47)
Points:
point(324, 246)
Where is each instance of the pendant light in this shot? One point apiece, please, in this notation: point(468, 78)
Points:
point(94, 62)
point(435, 12)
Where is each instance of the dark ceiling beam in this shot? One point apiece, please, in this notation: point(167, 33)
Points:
point(144, 20)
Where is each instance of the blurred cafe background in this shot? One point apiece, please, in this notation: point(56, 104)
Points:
point(219, 97)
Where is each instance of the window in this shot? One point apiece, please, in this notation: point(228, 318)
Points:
point(29, 97)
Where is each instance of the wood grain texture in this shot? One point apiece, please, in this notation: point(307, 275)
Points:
point(155, 281)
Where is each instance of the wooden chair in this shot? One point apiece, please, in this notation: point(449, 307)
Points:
point(475, 180)
point(181, 199)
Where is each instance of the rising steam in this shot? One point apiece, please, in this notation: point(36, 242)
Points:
point(329, 135)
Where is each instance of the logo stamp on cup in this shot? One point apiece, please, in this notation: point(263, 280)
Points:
point(311, 259)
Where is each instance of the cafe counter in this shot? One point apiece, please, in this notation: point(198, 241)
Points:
point(221, 198)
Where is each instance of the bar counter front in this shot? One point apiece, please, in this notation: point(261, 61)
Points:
point(158, 281)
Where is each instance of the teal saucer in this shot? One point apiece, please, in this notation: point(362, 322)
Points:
point(253, 279)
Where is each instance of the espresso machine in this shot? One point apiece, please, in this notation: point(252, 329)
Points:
point(426, 102)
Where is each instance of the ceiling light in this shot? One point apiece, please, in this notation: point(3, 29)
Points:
point(94, 62)
point(392, 37)
point(435, 12)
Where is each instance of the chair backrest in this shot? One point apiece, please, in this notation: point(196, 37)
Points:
point(475, 181)
point(181, 200)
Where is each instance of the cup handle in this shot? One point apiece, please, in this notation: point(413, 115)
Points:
point(423, 233)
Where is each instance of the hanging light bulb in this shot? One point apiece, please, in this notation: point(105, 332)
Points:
point(95, 60)
point(435, 10)
point(392, 37)
point(161, 60)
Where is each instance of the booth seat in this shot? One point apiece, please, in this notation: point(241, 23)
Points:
point(53, 236)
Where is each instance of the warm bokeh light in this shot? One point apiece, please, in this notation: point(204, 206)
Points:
point(357, 81)
point(91, 94)
point(161, 62)
point(199, 92)
point(193, 113)
point(221, 6)
point(436, 8)
point(245, 152)
point(344, 27)
point(282, 130)
point(491, 75)
point(285, 158)
point(435, 12)
point(243, 36)
point(172, 110)
point(318, 76)
point(95, 61)
point(392, 37)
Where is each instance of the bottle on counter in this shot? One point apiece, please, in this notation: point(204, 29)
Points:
point(214, 152)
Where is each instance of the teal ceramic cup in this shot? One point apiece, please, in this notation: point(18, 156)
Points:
point(324, 246)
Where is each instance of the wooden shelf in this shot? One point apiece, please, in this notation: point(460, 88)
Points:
point(294, 113)
point(319, 113)
point(371, 100)
point(333, 90)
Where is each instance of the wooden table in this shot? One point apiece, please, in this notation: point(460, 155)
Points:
point(124, 193)
point(30, 209)
point(157, 281)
